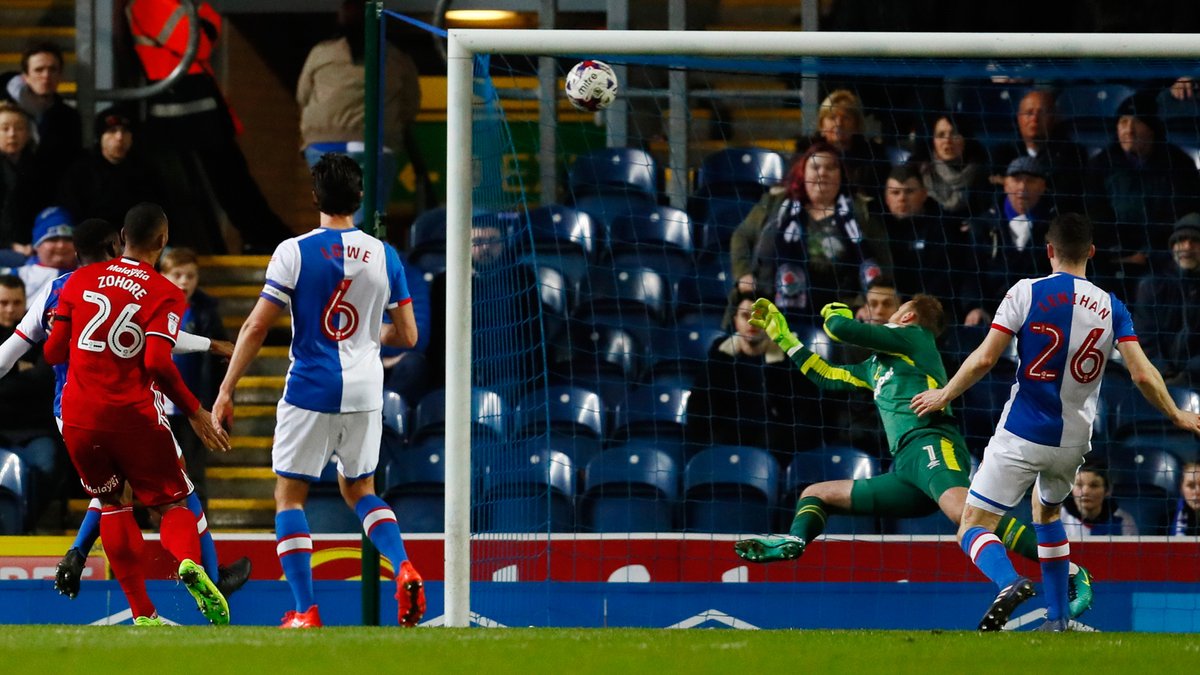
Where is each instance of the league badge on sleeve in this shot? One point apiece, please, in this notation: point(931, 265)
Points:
point(172, 323)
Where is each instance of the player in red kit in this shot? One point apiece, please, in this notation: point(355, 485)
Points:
point(117, 321)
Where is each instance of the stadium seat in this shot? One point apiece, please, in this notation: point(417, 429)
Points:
point(1136, 415)
point(659, 238)
point(637, 300)
point(739, 171)
point(556, 292)
point(15, 483)
point(730, 489)
point(824, 464)
point(652, 411)
point(716, 218)
point(409, 376)
point(414, 485)
point(325, 509)
point(631, 488)
point(898, 156)
point(683, 358)
point(980, 408)
point(990, 108)
point(1184, 447)
point(701, 300)
point(427, 240)
point(533, 490)
point(1090, 111)
point(1145, 483)
point(614, 171)
point(1182, 118)
point(575, 417)
point(566, 238)
point(395, 413)
point(602, 357)
point(489, 416)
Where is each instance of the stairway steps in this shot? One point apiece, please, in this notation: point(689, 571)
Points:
point(233, 270)
point(241, 482)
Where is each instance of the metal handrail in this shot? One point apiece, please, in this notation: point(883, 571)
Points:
point(185, 62)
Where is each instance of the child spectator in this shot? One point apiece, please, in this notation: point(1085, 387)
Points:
point(1092, 511)
point(202, 371)
point(1186, 521)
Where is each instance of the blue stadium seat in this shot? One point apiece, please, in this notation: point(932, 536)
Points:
point(1090, 112)
point(636, 299)
point(1182, 118)
point(1145, 482)
point(409, 375)
point(15, 484)
point(739, 171)
point(574, 417)
point(898, 156)
point(1183, 446)
point(602, 357)
point(614, 171)
point(414, 485)
point(990, 108)
point(653, 411)
point(395, 413)
point(533, 490)
point(825, 464)
point(684, 357)
point(730, 489)
point(325, 509)
point(631, 488)
point(716, 218)
point(934, 523)
point(489, 415)
point(659, 238)
point(566, 238)
point(980, 408)
point(556, 292)
point(427, 240)
point(701, 300)
point(1136, 415)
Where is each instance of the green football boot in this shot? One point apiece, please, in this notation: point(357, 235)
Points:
point(208, 598)
point(148, 621)
point(1079, 592)
point(770, 549)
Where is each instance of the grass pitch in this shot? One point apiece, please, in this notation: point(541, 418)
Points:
point(125, 649)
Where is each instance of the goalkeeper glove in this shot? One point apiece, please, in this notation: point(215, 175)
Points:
point(766, 315)
point(831, 310)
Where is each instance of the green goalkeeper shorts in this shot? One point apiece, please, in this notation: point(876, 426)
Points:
point(926, 466)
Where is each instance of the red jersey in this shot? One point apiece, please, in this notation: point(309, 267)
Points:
point(106, 314)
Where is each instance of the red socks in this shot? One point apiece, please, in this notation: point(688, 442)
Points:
point(178, 532)
point(123, 545)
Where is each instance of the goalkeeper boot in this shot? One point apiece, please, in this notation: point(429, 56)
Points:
point(69, 572)
point(410, 595)
point(1055, 626)
point(148, 621)
point(206, 594)
point(1079, 592)
point(309, 618)
point(233, 577)
point(1007, 600)
point(770, 549)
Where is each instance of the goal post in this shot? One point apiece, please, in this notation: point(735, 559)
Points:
point(465, 45)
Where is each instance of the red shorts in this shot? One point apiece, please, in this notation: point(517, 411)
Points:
point(145, 458)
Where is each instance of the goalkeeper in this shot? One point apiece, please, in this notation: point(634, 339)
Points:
point(930, 467)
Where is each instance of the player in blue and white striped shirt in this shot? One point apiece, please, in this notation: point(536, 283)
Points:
point(1066, 328)
point(337, 282)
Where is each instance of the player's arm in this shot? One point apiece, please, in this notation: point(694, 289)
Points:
point(402, 331)
point(165, 374)
point(978, 364)
point(249, 341)
point(1150, 383)
point(824, 374)
point(190, 343)
point(841, 326)
point(58, 345)
point(11, 351)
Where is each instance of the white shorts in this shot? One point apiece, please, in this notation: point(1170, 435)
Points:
point(306, 440)
point(1011, 464)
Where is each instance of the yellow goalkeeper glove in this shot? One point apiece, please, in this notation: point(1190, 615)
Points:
point(831, 310)
point(766, 315)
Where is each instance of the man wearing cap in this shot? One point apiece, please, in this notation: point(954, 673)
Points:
point(53, 248)
point(112, 177)
point(1138, 187)
point(1063, 161)
point(1167, 311)
point(1009, 239)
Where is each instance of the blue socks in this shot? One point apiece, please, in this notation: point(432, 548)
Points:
point(208, 550)
point(379, 522)
point(89, 529)
point(294, 549)
point(1054, 553)
point(986, 550)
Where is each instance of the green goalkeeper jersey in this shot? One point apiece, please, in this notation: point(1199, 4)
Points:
point(905, 361)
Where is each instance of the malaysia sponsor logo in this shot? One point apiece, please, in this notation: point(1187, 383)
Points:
point(109, 485)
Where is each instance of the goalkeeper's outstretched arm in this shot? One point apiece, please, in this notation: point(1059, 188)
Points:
point(824, 374)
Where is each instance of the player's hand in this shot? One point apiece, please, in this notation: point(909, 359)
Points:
point(765, 315)
point(222, 412)
point(221, 348)
point(831, 310)
point(1188, 421)
point(211, 435)
point(929, 401)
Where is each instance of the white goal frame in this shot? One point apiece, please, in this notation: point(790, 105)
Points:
point(464, 45)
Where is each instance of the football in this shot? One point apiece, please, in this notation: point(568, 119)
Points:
point(591, 86)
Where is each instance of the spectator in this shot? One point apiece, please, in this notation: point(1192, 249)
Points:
point(201, 371)
point(1186, 519)
point(882, 301)
point(53, 247)
point(954, 169)
point(111, 178)
point(193, 119)
point(1139, 185)
point(923, 247)
point(807, 243)
point(330, 94)
point(1165, 311)
point(59, 131)
point(26, 398)
point(17, 178)
point(1091, 510)
point(749, 394)
point(1009, 240)
point(1063, 161)
point(841, 124)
